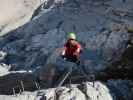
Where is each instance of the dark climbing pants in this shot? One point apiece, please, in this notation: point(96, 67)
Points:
point(74, 59)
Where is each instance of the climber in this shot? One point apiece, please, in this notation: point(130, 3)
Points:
point(72, 49)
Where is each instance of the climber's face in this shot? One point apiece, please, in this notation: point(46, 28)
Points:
point(72, 42)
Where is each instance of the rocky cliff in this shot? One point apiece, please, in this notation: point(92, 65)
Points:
point(31, 51)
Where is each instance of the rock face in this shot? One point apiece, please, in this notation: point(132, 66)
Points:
point(17, 82)
point(113, 90)
point(102, 33)
point(103, 28)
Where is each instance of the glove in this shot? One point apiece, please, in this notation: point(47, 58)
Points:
point(63, 56)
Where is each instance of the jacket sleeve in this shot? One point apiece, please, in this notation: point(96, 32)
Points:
point(78, 50)
point(64, 50)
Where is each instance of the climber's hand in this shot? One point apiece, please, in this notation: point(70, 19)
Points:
point(63, 56)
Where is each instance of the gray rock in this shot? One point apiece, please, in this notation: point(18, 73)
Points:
point(2, 55)
point(4, 69)
point(98, 91)
point(101, 27)
point(19, 81)
point(47, 32)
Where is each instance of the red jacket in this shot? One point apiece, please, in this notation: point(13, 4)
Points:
point(70, 51)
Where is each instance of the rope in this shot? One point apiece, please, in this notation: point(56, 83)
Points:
point(65, 77)
point(80, 67)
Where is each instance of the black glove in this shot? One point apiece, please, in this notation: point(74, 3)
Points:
point(63, 56)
